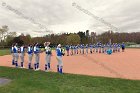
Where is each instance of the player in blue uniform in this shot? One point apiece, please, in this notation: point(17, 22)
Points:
point(100, 46)
point(48, 53)
point(59, 54)
point(103, 48)
point(30, 56)
point(83, 48)
point(118, 47)
point(113, 47)
point(91, 48)
point(12, 53)
point(71, 48)
point(75, 50)
point(96, 48)
point(15, 51)
point(37, 56)
point(22, 54)
point(109, 50)
point(67, 49)
point(86, 48)
point(80, 48)
point(123, 47)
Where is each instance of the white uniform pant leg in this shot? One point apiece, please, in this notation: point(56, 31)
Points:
point(60, 63)
point(48, 58)
point(36, 58)
point(16, 56)
point(30, 56)
point(87, 50)
point(13, 57)
point(22, 57)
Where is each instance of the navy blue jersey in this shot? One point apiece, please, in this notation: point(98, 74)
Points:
point(123, 45)
point(67, 48)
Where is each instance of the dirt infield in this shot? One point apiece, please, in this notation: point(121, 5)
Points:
point(118, 65)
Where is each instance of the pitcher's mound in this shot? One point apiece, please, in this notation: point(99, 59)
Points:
point(4, 81)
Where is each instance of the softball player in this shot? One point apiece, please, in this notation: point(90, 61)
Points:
point(102, 48)
point(37, 56)
point(83, 49)
point(12, 53)
point(100, 45)
point(91, 47)
point(77, 49)
point(123, 47)
point(15, 51)
point(96, 48)
point(67, 49)
point(105, 48)
point(86, 48)
point(30, 56)
point(113, 47)
point(22, 54)
point(59, 53)
point(109, 51)
point(71, 47)
point(118, 47)
point(48, 56)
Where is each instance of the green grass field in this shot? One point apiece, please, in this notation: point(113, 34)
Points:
point(4, 52)
point(29, 81)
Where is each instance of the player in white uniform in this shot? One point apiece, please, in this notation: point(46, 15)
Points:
point(48, 53)
point(59, 53)
point(37, 56)
point(22, 54)
point(15, 51)
point(30, 56)
point(12, 53)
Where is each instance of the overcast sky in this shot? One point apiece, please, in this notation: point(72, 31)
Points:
point(60, 16)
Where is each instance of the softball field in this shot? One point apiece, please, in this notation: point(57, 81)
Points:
point(118, 65)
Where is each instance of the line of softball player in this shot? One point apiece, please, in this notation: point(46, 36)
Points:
point(97, 48)
point(19, 53)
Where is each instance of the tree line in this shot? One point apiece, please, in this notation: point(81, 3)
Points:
point(8, 38)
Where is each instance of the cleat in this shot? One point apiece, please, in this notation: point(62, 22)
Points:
point(38, 69)
point(47, 71)
point(23, 67)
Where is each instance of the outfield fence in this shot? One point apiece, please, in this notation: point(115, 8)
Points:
point(5, 47)
point(134, 46)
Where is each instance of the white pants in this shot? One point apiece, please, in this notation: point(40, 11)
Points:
point(22, 57)
point(59, 59)
point(48, 58)
point(13, 56)
point(30, 56)
point(90, 49)
point(16, 56)
point(87, 50)
point(37, 58)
